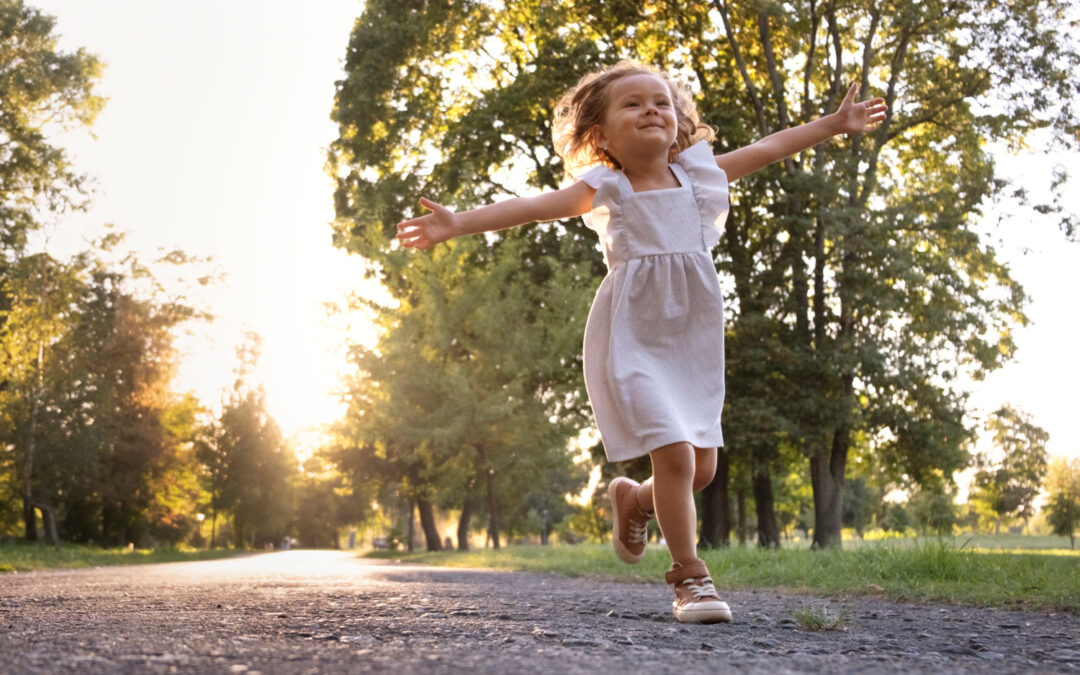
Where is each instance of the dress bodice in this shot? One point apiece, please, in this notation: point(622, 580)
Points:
point(686, 219)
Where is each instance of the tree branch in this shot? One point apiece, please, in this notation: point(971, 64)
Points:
point(751, 90)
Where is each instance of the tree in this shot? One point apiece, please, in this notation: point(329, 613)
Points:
point(1009, 485)
point(1063, 502)
point(933, 509)
point(861, 290)
point(42, 89)
point(456, 409)
point(39, 295)
point(255, 468)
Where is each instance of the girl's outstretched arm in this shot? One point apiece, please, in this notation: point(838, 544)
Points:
point(442, 223)
point(850, 118)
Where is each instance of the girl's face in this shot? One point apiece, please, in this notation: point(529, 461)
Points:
point(640, 119)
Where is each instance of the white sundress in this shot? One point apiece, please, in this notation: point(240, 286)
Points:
point(654, 341)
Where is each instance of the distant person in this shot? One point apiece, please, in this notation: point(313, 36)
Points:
point(647, 182)
point(448, 544)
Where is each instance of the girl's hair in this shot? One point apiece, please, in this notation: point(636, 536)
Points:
point(580, 110)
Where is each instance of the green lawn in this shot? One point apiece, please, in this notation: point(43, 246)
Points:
point(27, 557)
point(925, 569)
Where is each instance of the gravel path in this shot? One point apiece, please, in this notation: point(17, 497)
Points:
point(327, 611)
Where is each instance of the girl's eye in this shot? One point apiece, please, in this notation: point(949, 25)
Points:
point(632, 104)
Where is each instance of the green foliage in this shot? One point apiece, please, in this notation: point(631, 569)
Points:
point(252, 469)
point(932, 509)
point(95, 431)
point(1063, 504)
point(466, 393)
point(861, 294)
point(42, 89)
point(1009, 486)
point(320, 510)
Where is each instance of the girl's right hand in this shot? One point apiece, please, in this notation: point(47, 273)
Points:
point(429, 229)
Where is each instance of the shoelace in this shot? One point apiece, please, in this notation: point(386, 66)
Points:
point(702, 589)
point(638, 532)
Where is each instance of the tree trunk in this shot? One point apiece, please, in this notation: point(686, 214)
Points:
point(29, 516)
point(716, 507)
point(997, 526)
point(463, 524)
point(427, 523)
point(740, 506)
point(30, 532)
point(827, 479)
point(493, 516)
point(410, 529)
point(492, 505)
point(49, 518)
point(767, 530)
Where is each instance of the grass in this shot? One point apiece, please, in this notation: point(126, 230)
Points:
point(928, 570)
point(22, 557)
point(818, 619)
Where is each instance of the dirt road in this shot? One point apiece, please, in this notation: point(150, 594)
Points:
point(326, 611)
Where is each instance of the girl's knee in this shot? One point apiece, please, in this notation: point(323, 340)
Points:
point(676, 461)
point(704, 467)
point(703, 476)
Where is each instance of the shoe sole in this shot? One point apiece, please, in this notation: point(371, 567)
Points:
point(620, 550)
point(713, 612)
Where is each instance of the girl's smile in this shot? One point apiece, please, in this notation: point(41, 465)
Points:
point(640, 119)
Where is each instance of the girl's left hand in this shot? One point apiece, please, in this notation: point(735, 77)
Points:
point(854, 118)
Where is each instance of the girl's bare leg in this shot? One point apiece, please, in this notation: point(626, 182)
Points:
point(670, 492)
point(704, 470)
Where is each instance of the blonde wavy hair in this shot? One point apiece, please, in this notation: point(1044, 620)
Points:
point(580, 111)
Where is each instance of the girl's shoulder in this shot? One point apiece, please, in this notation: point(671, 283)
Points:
point(597, 176)
point(700, 163)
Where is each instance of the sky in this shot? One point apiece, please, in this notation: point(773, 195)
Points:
point(214, 141)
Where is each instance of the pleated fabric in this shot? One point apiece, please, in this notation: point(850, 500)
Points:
point(654, 340)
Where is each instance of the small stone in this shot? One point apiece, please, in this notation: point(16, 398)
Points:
point(581, 642)
point(764, 642)
point(708, 647)
point(1065, 655)
point(958, 649)
point(1010, 626)
point(991, 656)
point(432, 615)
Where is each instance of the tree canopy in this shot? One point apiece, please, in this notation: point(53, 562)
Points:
point(861, 294)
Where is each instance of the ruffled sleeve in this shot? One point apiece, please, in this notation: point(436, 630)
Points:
point(605, 204)
point(606, 212)
point(710, 186)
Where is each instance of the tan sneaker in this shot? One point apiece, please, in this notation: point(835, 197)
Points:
point(630, 525)
point(696, 600)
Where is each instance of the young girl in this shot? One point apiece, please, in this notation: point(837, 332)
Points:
point(654, 340)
